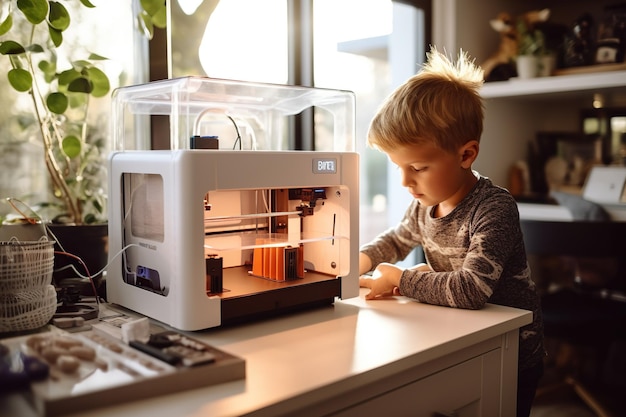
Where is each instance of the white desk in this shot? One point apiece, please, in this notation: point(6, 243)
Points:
point(554, 212)
point(387, 356)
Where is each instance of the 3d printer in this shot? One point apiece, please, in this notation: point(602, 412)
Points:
point(221, 229)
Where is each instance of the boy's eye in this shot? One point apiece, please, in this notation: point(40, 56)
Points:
point(415, 169)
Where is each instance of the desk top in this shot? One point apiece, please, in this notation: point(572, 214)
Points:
point(303, 357)
point(554, 212)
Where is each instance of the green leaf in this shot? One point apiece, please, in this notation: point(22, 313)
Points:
point(144, 21)
point(78, 100)
point(80, 85)
point(20, 79)
point(47, 67)
point(34, 48)
point(58, 17)
point(152, 7)
point(100, 82)
point(86, 3)
point(6, 25)
point(90, 219)
point(71, 146)
point(67, 76)
point(57, 102)
point(159, 19)
point(96, 57)
point(56, 36)
point(80, 64)
point(35, 11)
point(11, 48)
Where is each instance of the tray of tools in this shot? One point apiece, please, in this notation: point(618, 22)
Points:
point(67, 372)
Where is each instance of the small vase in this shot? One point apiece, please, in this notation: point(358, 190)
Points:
point(527, 66)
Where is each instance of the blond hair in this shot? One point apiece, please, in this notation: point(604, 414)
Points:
point(441, 104)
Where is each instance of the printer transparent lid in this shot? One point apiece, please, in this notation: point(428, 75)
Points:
point(242, 115)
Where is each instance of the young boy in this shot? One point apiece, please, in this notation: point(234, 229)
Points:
point(469, 228)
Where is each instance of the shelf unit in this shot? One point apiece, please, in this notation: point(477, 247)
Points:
point(559, 86)
point(515, 110)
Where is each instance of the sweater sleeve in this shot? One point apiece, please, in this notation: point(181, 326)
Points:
point(470, 253)
point(396, 243)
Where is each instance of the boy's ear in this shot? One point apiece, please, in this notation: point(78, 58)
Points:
point(469, 153)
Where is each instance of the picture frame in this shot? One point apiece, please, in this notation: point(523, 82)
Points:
point(575, 153)
point(610, 124)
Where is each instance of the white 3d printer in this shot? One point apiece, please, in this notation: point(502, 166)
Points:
point(229, 224)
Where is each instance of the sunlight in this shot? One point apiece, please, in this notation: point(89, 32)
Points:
point(247, 40)
point(189, 6)
point(248, 37)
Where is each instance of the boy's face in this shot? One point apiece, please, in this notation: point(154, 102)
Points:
point(435, 176)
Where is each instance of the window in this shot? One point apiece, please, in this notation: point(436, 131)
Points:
point(366, 46)
point(23, 174)
point(243, 40)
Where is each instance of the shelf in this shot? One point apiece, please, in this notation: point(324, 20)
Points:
point(556, 86)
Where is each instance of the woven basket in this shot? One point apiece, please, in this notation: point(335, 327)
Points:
point(27, 298)
point(27, 310)
point(25, 265)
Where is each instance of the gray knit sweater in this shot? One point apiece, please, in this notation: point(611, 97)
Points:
point(478, 254)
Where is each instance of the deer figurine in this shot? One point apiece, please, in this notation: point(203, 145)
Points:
point(506, 26)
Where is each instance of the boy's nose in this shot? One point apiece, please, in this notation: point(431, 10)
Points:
point(406, 179)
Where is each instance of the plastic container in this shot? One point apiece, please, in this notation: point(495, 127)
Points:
point(244, 115)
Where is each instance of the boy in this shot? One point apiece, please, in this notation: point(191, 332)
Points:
point(469, 228)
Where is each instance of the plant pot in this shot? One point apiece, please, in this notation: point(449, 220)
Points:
point(22, 232)
point(527, 66)
point(546, 65)
point(90, 244)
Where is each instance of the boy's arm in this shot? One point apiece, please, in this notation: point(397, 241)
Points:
point(467, 280)
point(365, 263)
point(395, 243)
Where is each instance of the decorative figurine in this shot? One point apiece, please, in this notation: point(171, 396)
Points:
point(579, 43)
point(500, 65)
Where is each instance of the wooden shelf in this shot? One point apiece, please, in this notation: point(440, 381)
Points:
point(558, 85)
point(591, 69)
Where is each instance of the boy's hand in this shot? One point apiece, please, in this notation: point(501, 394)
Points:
point(383, 283)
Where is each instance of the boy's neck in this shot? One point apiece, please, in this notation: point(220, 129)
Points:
point(445, 207)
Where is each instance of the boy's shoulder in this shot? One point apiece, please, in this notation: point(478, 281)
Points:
point(486, 188)
point(489, 197)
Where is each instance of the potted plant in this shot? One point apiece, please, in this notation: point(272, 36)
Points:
point(531, 45)
point(61, 84)
point(60, 100)
point(533, 56)
point(72, 144)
